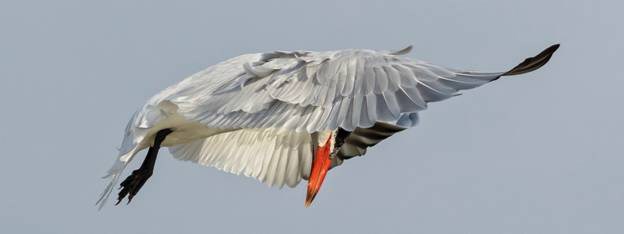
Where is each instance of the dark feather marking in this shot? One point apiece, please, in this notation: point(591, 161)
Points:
point(362, 138)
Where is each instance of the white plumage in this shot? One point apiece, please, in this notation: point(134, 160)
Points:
point(261, 115)
point(273, 157)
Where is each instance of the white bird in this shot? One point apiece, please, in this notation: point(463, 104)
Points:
point(284, 116)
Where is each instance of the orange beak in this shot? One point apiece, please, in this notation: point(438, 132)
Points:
point(320, 166)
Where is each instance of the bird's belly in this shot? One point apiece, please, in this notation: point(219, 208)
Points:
point(184, 131)
point(189, 132)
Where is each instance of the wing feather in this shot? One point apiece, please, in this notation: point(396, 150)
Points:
point(274, 157)
point(382, 86)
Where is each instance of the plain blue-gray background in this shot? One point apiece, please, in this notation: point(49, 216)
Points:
point(538, 153)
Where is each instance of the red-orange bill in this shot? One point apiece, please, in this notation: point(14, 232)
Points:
point(320, 166)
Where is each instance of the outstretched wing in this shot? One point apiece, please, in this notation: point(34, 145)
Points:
point(314, 91)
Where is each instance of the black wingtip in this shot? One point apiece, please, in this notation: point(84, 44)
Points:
point(553, 47)
point(533, 63)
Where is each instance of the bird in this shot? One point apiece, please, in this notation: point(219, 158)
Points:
point(286, 116)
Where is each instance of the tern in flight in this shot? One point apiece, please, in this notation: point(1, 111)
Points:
point(286, 116)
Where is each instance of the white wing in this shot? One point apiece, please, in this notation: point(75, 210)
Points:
point(273, 157)
point(315, 91)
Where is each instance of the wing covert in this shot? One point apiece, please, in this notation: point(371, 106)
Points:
point(314, 91)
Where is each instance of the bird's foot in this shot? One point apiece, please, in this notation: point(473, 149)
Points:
point(131, 185)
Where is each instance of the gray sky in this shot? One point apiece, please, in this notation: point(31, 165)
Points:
point(539, 153)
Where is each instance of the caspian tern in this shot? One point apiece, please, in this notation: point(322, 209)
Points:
point(283, 116)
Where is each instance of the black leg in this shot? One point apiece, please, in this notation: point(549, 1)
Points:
point(131, 185)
